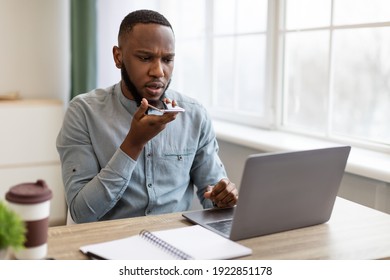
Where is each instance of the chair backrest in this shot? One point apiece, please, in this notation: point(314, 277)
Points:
point(69, 220)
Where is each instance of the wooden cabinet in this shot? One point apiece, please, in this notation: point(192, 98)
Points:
point(28, 132)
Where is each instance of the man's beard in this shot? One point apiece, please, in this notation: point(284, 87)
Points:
point(133, 90)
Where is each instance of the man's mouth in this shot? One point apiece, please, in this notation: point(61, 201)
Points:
point(154, 87)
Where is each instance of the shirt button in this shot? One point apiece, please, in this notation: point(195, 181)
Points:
point(149, 155)
point(149, 185)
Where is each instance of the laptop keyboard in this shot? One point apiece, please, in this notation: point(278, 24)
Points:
point(223, 226)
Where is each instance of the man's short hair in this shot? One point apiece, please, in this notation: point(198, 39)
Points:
point(142, 16)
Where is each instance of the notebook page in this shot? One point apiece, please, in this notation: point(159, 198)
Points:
point(196, 241)
point(130, 248)
point(203, 244)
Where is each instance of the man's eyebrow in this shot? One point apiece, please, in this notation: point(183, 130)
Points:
point(145, 52)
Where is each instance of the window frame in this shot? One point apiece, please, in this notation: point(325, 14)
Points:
point(328, 134)
point(268, 120)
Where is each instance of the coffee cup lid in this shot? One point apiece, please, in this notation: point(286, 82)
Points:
point(29, 193)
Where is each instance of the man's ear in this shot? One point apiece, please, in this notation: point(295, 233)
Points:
point(117, 54)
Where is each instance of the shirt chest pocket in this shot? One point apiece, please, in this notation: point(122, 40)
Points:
point(176, 161)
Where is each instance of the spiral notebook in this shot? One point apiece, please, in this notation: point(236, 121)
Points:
point(191, 242)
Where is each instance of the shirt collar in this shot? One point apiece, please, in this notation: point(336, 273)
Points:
point(130, 105)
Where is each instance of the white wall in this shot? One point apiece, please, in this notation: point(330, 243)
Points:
point(35, 48)
point(110, 15)
point(34, 61)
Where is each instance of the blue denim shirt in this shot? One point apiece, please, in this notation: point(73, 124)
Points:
point(102, 182)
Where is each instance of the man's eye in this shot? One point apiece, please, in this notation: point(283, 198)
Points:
point(144, 58)
point(169, 59)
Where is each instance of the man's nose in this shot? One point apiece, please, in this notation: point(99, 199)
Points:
point(157, 69)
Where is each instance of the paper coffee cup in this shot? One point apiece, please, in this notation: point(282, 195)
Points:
point(32, 202)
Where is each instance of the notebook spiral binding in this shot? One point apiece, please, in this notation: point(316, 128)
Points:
point(164, 245)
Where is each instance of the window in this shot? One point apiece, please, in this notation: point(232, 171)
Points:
point(221, 55)
point(336, 72)
point(319, 68)
point(239, 42)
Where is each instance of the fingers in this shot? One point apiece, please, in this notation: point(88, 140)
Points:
point(167, 100)
point(143, 108)
point(153, 119)
point(223, 194)
point(144, 127)
point(207, 193)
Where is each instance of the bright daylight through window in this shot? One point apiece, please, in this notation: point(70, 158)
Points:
point(336, 71)
point(314, 67)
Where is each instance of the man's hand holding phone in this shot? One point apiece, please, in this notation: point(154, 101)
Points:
point(168, 108)
point(147, 122)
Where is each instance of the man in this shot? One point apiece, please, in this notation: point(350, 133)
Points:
point(118, 159)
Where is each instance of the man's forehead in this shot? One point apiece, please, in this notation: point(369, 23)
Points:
point(149, 33)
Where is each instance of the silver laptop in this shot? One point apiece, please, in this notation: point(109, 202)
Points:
point(280, 192)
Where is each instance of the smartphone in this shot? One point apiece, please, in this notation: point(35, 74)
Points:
point(168, 109)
